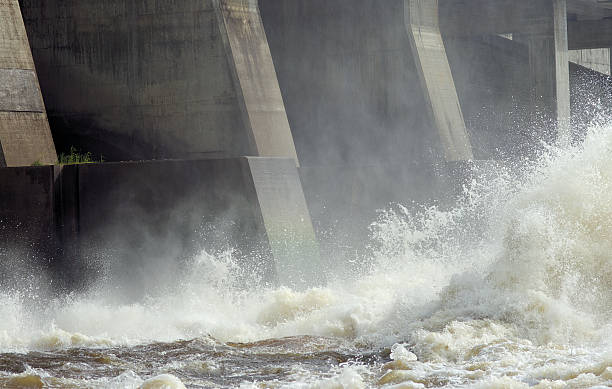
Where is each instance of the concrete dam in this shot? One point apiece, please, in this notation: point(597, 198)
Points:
point(293, 194)
point(264, 125)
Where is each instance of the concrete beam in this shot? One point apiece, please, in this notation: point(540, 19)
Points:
point(589, 34)
point(422, 24)
point(549, 63)
point(25, 136)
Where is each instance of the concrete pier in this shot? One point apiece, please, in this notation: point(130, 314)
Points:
point(541, 26)
point(25, 137)
point(547, 44)
point(423, 26)
point(254, 77)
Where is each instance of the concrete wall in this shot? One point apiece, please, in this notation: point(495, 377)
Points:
point(594, 59)
point(25, 137)
point(27, 221)
point(489, 73)
point(141, 80)
point(140, 221)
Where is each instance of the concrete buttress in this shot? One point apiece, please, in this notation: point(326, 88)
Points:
point(255, 78)
point(549, 62)
point(25, 137)
point(422, 24)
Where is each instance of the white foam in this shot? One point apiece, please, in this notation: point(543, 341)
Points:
point(519, 273)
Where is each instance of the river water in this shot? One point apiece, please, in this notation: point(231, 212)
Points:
point(510, 289)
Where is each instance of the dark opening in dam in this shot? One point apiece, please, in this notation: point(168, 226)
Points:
point(305, 194)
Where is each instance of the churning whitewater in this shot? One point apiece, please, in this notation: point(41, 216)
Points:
point(510, 289)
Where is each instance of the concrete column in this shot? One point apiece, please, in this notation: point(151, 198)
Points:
point(25, 137)
point(549, 63)
point(422, 24)
point(255, 78)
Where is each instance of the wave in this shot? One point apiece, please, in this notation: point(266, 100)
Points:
point(525, 256)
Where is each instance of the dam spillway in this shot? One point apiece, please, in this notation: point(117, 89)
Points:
point(257, 168)
point(356, 94)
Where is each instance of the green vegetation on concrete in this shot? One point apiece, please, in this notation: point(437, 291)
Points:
point(76, 157)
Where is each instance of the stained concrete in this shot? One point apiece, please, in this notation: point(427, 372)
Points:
point(19, 91)
point(147, 80)
point(25, 137)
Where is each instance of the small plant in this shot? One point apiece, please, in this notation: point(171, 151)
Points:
point(37, 163)
point(75, 157)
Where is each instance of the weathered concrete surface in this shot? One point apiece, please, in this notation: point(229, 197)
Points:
point(423, 26)
point(14, 47)
point(255, 78)
point(25, 137)
point(19, 91)
point(142, 80)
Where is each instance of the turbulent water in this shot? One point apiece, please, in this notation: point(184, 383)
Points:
point(510, 289)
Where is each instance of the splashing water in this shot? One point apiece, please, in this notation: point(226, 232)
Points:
point(510, 289)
